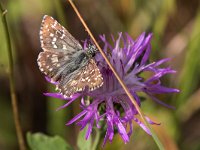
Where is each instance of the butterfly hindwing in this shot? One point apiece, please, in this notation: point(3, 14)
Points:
point(89, 76)
point(51, 63)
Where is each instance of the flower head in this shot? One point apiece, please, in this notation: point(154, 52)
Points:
point(109, 105)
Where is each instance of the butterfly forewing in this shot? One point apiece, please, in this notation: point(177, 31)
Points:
point(89, 76)
point(55, 37)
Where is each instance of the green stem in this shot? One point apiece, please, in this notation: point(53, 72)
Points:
point(96, 140)
point(12, 84)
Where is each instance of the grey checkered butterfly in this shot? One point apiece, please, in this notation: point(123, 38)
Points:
point(65, 61)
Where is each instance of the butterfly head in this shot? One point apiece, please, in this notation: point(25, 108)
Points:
point(91, 50)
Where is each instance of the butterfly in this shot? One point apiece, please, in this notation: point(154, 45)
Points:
point(64, 61)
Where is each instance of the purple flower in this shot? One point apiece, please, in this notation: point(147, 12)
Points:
point(109, 105)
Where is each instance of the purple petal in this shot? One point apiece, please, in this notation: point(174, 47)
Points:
point(142, 126)
point(144, 46)
point(103, 38)
point(158, 75)
point(151, 122)
point(137, 45)
point(109, 132)
point(129, 38)
point(158, 101)
point(158, 89)
point(67, 104)
point(146, 55)
point(131, 128)
point(137, 99)
point(116, 50)
point(89, 130)
point(76, 117)
point(139, 40)
point(158, 63)
point(122, 130)
point(87, 118)
point(51, 81)
point(56, 95)
point(152, 66)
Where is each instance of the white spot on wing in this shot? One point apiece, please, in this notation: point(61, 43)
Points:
point(51, 34)
point(55, 23)
point(62, 37)
point(58, 65)
point(54, 39)
point(64, 47)
point(54, 59)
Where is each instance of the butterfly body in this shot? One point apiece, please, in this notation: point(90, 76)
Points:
point(65, 61)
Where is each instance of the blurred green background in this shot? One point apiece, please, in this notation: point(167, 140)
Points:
point(176, 33)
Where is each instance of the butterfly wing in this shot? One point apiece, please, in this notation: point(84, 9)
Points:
point(89, 76)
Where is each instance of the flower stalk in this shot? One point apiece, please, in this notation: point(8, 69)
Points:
point(12, 83)
point(156, 139)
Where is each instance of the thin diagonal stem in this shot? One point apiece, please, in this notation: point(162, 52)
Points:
point(117, 76)
point(12, 84)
